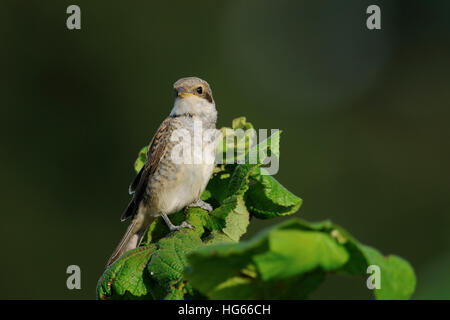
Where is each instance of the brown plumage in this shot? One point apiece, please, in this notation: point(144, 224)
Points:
point(163, 187)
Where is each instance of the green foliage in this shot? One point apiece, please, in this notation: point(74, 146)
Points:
point(292, 257)
point(142, 156)
point(286, 261)
point(267, 198)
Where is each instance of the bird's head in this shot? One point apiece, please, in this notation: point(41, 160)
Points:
point(193, 96)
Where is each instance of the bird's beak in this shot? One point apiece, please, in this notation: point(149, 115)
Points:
point(183, 94)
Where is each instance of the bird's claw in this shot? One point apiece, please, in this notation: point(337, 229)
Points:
point(202, 205)
point(183, 225)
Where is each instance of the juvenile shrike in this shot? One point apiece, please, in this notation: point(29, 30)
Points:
point(164, 186)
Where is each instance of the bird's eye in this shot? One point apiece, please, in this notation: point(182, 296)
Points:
point(199, 90)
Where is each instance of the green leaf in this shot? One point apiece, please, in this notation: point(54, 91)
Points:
point(218, 185)
point(236, 217)
point(155, 270)
point(169, 261)
point(267, 198)
point(206, 195)
point(278, 257)
point(238, 123)
point(294, 252)
point(397, 277)
point(126, 275)
point(140, 161)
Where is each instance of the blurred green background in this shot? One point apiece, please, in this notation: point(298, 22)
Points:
point(365, 116)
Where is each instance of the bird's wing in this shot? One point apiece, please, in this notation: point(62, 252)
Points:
point(156, 150)
point(135, 183)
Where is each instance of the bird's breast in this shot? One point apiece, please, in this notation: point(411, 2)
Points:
point(176, 184)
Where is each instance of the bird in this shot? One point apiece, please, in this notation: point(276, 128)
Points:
point(164, 186)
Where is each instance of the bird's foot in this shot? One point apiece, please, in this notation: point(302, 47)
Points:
point(201, 204)
point(172, 227)
point(183, 225)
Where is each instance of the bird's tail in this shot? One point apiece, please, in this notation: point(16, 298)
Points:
point(131, 239)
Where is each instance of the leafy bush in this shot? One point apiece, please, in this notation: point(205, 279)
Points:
point(286, 261)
